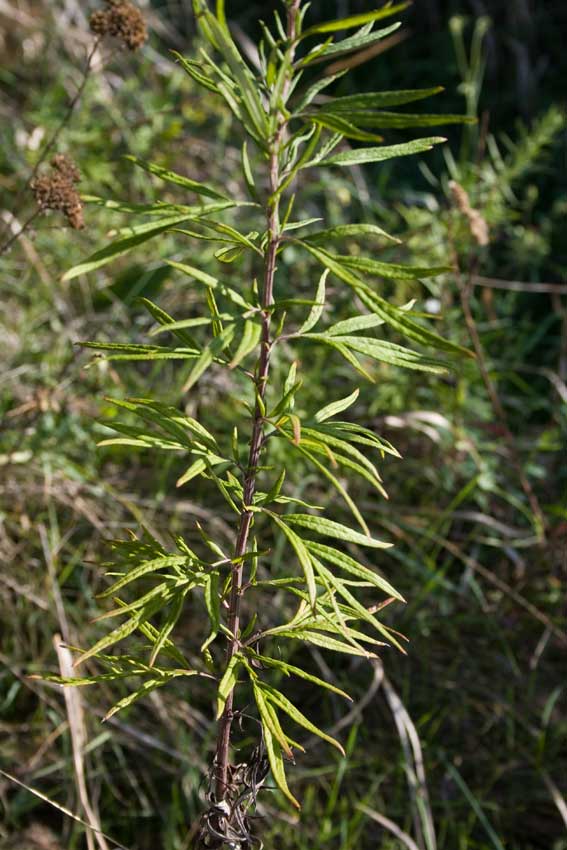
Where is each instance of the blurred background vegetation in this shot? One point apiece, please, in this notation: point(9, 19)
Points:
point(461, 744)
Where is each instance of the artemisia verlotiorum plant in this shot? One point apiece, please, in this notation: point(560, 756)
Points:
point(290, 128)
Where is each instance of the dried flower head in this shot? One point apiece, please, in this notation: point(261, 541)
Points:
point(477, 224)
point(123, 20)
point(56, 190)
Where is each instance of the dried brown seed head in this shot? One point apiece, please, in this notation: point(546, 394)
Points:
point(477, 224)
point(123, 20)
point(56, 190)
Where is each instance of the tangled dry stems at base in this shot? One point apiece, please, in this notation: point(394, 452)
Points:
point(123, 20)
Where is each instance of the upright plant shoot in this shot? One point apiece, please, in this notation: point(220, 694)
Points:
point(290, 128)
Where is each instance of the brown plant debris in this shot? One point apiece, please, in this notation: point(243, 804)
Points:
point(123, 20)
point(477, 224)
point(57, 190)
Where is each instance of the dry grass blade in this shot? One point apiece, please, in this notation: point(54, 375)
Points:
point(75, 715)
point(60, 808)
point(415, 769)
point(388, 824)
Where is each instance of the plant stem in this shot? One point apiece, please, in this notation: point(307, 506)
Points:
point(256, 439)
point(54, 138)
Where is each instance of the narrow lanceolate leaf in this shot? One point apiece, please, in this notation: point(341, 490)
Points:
point(197, 468)
point(394, 316)
point(128, 627)
point(359, 609)
point(165, 320)
point(394, 271)
point(336, 407)
point(345, 231)
point(395, 120)
point(378, 100)
point(212, 603)
point(213, 349)
point(325, 642)
point(169, 624)
point(275, 758)
point(152, 566)
point(178, 179)
point(148, 686)
point(248, 342)
point(211, 283)
point(349, 565)
point(344, 125)
point(393, 354)
point(355, 20)
point(285, 705)
point(360, 41)
point(302, 555)
point(227, 683)
point(122, 246)
point(290, 669)
point(270, 719)
point(367, 155)
point(329, 528)
point(317, 309)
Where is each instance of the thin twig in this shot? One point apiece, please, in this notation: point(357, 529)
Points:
point(52, 141)
point(465, 285)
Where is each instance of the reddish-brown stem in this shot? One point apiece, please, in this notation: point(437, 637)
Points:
point(256, 440)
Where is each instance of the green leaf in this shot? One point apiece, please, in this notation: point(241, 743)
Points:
point(248, 342)
point(128, 627)
point(394, 316)
point(146, 689)
point(193, 69)
point(356, 606)
point(329, 528)
point(228, 682)
point(178, 179)
point(270, 719)
point(345, 231)
point(318, 307)
point(211, 283)
point(165, 321)
point(393, 354)
point(358, 323)
point(197, 468)
point(336, 407)
point(344, 125)
point(396, 120)
point(212, 350)
point(366, 155)
point(152, 566)
point(246, 81)
point(355, 20)
point(360, 41)
point(284, 704)
point(212, 603)
point(325, 642)
point(393, 271)
point(169, 624)
point(122, 246)
point(274, 751)
point(377, 100)
point(302, 555)
point(349, 565)
point(311, 93)
point(332, 478)
point(290, 669)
